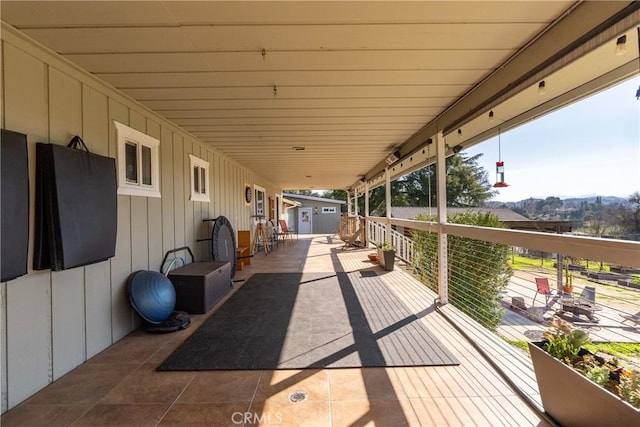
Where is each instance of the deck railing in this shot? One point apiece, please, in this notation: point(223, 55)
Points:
point(614, 313)
point(617, 252)
point(379, 233)
point(353, 230)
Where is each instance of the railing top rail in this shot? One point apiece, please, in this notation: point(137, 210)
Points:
point(622, 252)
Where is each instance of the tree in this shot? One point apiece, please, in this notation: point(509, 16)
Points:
point(467, 182)
point(467, 185)
point(634, 218)
point(623, 219)
point(596, 217)
point(549, 206)
point(377, 200)
point(336, 195)
point(413, 189)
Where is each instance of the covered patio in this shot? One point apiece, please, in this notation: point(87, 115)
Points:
point(120, 386)
point(224, 106)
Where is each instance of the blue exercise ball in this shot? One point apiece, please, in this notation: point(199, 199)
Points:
point(152, 295)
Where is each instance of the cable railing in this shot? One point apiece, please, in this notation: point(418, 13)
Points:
point(478, 273)
point(495, 282)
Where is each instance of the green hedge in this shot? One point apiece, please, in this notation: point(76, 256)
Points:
point(478, 270)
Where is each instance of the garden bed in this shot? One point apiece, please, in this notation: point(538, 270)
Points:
point(603, 275)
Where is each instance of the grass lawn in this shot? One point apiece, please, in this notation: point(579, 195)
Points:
point(627, 351)
point(521, 344)
point(614, 293)
point(522, 262)
point(621, 350)
point(614, 348)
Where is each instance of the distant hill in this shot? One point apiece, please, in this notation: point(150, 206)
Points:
point(567, 202)
point(611, 216)
point(605, 200)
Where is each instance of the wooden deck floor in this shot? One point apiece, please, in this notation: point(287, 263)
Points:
point(121, 387)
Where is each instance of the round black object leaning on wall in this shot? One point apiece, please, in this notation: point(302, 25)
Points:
point(223, 242)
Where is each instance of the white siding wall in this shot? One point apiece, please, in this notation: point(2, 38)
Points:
point(51, 322)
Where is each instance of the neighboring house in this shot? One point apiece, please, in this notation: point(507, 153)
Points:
point(510, 218)
point(313, 215)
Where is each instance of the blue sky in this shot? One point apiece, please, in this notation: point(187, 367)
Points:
point(589, 147)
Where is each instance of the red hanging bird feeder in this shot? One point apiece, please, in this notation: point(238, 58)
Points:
point(500, 175)
point(500, 168)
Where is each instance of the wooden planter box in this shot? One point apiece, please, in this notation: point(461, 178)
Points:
point(386, 259)
point(573, 400)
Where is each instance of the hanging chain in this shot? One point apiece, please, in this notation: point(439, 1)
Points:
point(638, 92)
point(429, 181)
point(499, 146)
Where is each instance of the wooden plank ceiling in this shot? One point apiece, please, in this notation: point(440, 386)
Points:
point(259, 81)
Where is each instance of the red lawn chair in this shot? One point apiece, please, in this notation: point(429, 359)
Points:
point(542, 285)
point(286, 231)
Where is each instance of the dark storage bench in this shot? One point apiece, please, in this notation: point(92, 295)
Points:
point(200, 285)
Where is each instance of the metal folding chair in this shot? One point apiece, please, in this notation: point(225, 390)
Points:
point(542, 287)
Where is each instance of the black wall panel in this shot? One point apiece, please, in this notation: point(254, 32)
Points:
point(14, 205)
point(76, 207)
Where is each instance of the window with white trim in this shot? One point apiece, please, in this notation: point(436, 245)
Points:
point(326, 209)
point(260, 200)
point(199, 179)
point(138, 162)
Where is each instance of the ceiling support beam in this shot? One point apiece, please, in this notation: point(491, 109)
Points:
point(573, 30)
point(617, 75)
point(574, 36)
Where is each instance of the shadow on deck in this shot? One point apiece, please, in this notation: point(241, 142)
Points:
point(121, 387)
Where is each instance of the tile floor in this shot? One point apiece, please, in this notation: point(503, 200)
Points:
point(120, 387)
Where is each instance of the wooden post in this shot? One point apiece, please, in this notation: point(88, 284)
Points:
point(366, 199)
point(560, 272)
point(355, 202)
point(366, 212)
point(387, 195)
point(441, 180)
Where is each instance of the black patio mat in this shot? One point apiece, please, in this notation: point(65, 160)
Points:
point(297, 321)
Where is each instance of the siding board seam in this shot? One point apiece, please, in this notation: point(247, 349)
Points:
point(47, 100)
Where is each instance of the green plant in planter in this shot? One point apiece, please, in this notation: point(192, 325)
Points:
point(629, 387)
point(386, 246)
point(565, 344)
point(598, 374)
point(386, 255)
